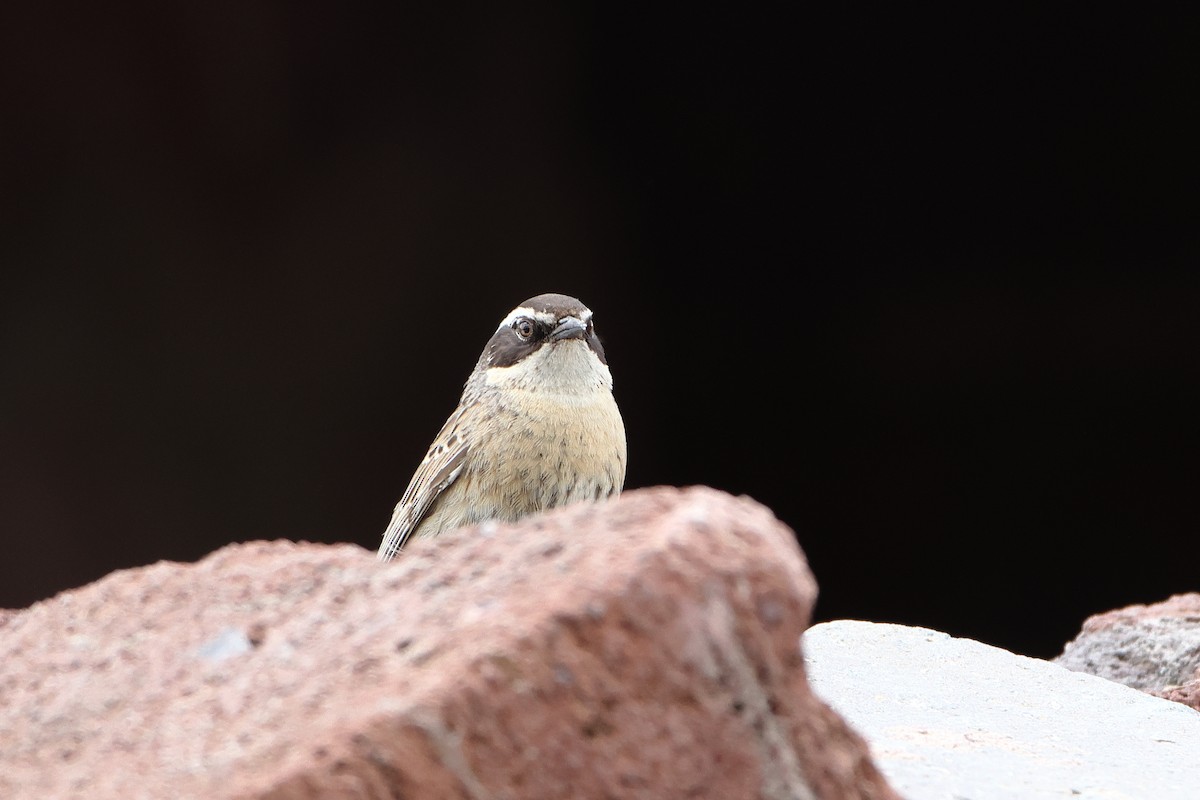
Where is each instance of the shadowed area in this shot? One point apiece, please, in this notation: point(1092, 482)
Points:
point(922, 284)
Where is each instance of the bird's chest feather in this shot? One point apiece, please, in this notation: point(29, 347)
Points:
point(555, 449)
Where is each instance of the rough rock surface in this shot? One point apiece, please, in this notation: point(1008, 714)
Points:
point(644, 648)
point(954, 718)
point(1155, 648)
point(1187, 693)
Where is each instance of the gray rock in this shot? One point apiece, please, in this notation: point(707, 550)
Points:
point(1147, 654)
point(951, 719)
point(1154, 647)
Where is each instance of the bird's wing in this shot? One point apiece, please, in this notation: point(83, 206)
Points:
point(441, 465)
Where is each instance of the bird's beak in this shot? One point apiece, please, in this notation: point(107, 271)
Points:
point(569, 328)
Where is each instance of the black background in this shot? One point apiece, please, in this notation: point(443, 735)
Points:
point(923, 284)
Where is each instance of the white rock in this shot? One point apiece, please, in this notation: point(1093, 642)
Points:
point(955, 719)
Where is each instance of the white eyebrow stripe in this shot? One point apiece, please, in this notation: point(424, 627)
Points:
point(541, 316)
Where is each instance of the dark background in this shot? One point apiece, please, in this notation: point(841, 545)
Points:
point(924, 285)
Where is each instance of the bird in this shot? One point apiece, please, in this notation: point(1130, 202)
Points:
point(537, 427)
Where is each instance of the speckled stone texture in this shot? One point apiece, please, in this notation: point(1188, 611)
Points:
point(642, 648)
point(1155, 648)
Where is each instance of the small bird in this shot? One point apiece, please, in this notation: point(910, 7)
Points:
point(537, 427)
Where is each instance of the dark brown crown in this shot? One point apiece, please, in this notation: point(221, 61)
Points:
point(545, 311)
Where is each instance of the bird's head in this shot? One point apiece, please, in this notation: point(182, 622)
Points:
point(547, 344)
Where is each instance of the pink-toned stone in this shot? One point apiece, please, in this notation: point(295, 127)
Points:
point(1186, 606)
point(1155, 648)
point(643, 648)
point(1187, 693)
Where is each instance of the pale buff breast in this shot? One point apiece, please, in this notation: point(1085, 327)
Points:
point(557, 450)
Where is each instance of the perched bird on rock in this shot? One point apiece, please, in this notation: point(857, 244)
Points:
point(537, 427)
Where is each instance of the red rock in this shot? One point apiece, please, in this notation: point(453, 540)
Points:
point(1187, 693)
point(644, 648)
point(1186, 606)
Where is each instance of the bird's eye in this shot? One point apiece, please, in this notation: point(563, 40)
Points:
point(591, 329)
point(524, 328)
